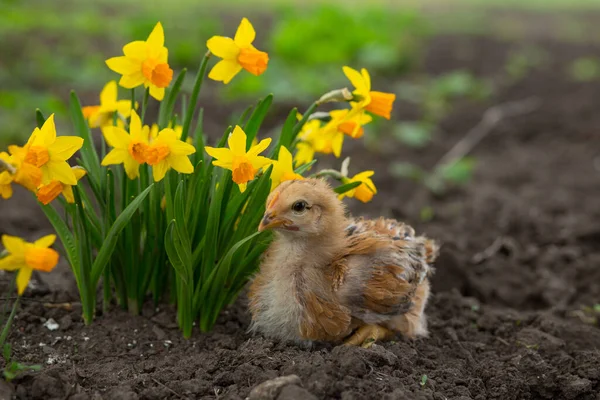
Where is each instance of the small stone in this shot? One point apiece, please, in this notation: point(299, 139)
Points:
point(160, 334)
point(66, 322)
point(51, 324)
point(269, 390)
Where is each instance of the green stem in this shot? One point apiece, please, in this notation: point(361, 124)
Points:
point(194, 99)
point(11, 288)
point(133, 99)
point(8, 324)
point(145, 104)
point(305, 117)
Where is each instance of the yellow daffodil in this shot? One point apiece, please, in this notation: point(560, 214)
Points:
point(145, 63)
point(237, 53)
point(363, 192)
point(103, 114)
point(24, 257)
point(153, 132)
point(283, 169)
point(314, 137)
point(378, 103)
point(27, 175)
point(50, 153)
point(350, 124)
point(128, 149)
point(243, 164)
point(47, 193)
point(6, 177)
point(167, 152)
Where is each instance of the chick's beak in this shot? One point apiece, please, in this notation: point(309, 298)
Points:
point(270, 221)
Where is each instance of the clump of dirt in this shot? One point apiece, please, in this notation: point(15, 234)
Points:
point(520, 262)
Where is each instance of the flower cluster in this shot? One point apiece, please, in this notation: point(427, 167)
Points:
point(41, 165)
point(199, 214)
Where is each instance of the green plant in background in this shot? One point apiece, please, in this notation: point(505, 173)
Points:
point(585, 69)
point(168, 222)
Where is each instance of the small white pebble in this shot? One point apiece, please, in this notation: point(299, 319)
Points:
point(69, 338)
point(51, 325)
point(167, 343)
point(42, 344)
point(85, 338)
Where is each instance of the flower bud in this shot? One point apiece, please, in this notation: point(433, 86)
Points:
point(336, 95)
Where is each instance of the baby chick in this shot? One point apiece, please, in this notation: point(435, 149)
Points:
point(326, 277)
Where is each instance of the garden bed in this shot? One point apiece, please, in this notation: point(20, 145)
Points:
point(519, 266)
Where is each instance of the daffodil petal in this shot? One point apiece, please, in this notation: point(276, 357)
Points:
point(67, 192)
point(157, 93)
point(23, 277)
point(179, 148)
point(285, 157)
point(237, 141)
point(116, 137)
point(124, 107)
point(245, 34)
point(160, 170)
point(219, 153)
point(47, 133)
point(181, 164)
point(12, 263)
point(242, 187)
point(260, 147)
point(13, 244)
point(135, 128)
point(223, 47)
point(135, 79)
point(156, 38)
point(356, 79)
point(108, 95)
point(45, 242)
point(224, 71)
point(259, 162)
point(64, 147)
point(132, 168)
point(115, 156)
point(60, 171)
point(337, 143)
point(363, 175)
point(366, 78)
point(223, 164)
point(79, 172)
point(124, 65)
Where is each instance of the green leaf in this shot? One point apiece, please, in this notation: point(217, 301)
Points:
point(256, 119)
point(88, 153)
point(39, 118)
point(414, 134)
point(407, 170)
point(6, 352)
point(175, 253)
point(347, 187)
point(287, 133)
point(423, 380)
point(67, 239)
point(303, 168)
point(459, 172)
point(108, 247)
point(168, 104)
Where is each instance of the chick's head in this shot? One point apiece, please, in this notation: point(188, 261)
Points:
point(306, 207)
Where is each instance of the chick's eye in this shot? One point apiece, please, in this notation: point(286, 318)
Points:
point(299, 206)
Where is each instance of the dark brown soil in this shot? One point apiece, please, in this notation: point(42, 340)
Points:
point(520, 265)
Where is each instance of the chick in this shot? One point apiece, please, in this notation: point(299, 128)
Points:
point(327, 277)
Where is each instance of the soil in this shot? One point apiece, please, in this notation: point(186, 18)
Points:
point(509, 317)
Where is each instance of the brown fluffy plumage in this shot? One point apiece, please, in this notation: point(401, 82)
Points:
point(326, 277)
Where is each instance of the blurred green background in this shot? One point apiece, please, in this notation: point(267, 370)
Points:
point(48, 48)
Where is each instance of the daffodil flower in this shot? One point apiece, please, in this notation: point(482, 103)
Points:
point(243, 164)
point(167, 152)
point(153, 132)
point(47, 193)
point(50, 153)
point(145, 63)
point(27, 175)
point(378, 103)
point(351, 124)
point(317, 138)
point(362, 192)
point(283, 169)
point(6, 178)
point(24, 257)
point(102, 115)
point(128, 149)
point(237, 53)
